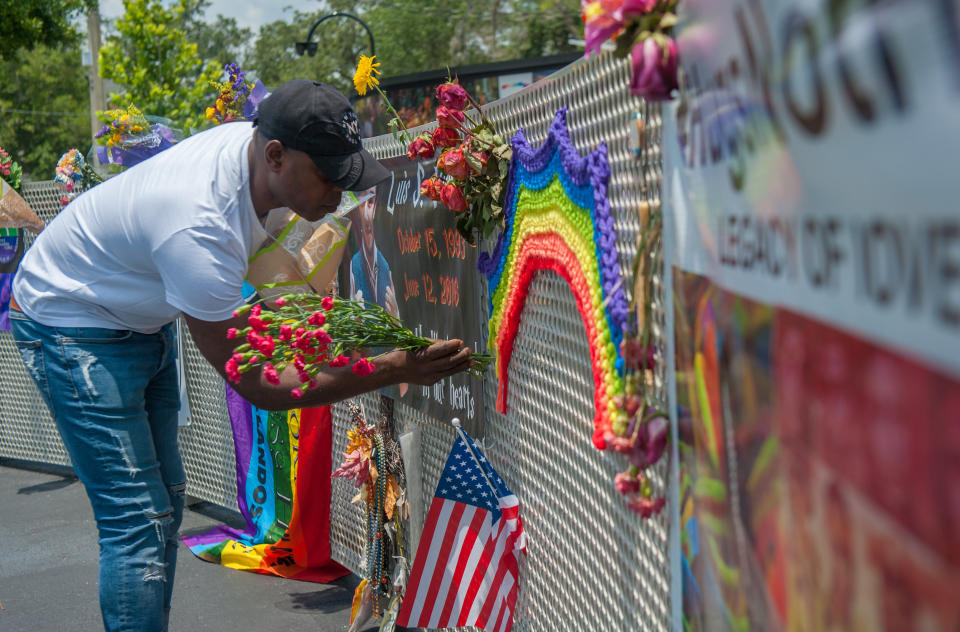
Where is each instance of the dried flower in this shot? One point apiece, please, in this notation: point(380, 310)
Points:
point(431, 188)
point(646, 507)
point(479, 163)
point(356, 466)
point(420, 148)
point(452, 96)
point(447, 117)
point(452, 197)
point(445, 137)
point(454, 163)
point(650, 443)
point(627, 483)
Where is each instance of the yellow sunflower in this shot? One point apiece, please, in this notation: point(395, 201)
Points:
point(365, 77)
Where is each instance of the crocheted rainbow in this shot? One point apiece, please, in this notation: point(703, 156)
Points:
point(557, 218)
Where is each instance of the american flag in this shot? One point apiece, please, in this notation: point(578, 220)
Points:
point(465, 572)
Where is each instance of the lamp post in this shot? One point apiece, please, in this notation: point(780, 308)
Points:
point(310, 48)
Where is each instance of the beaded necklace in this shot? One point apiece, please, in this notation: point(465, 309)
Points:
point(375, 533)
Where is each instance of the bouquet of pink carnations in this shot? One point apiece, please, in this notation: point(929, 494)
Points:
point(310, 333)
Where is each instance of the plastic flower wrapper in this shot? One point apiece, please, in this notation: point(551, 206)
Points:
point(74, 175)
point(311, 332)
point(15, 213)
point(237, 100)
point(128, 137)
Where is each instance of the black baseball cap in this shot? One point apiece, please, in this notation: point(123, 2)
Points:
point(317, 119)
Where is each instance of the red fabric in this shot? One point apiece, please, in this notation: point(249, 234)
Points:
point(309, 528)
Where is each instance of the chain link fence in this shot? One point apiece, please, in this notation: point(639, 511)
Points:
point(592, 563)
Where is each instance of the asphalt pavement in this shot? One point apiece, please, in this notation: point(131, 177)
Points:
point(48, 569)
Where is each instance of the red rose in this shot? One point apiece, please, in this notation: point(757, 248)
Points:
point(445, 137)
point(431, 188)
point(452, 95)
point(454, 163)
point(420, 148)
point(448, 117)
point(452, 197)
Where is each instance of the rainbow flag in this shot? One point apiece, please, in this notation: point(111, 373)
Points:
point(283, 493)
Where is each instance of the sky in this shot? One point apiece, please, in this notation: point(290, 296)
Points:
point(249, 13)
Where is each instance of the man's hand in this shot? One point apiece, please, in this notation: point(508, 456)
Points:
point(430, 365)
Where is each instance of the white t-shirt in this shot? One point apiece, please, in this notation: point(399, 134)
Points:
point(169, 235)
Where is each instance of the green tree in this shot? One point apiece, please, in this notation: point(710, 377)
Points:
point(222, 40)
point(545, 27)
point(158, 67)
point(414, 36)
point(340, 42)
point(27, 23)
point(44, 106)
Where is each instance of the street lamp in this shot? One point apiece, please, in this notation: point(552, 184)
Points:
point(310, 48)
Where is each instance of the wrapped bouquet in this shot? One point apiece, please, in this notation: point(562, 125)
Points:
point(128, 137)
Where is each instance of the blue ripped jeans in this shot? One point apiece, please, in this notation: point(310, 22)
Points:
point(114, 397)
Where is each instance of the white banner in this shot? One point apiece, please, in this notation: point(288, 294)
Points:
point(812, 162)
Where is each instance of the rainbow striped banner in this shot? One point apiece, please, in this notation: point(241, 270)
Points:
point(283, 493)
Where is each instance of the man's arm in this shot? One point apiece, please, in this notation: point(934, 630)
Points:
point(426, 367)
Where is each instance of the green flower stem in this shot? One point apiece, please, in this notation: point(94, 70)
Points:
point(352, 325)
point(404, 132)
point(474, 137)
